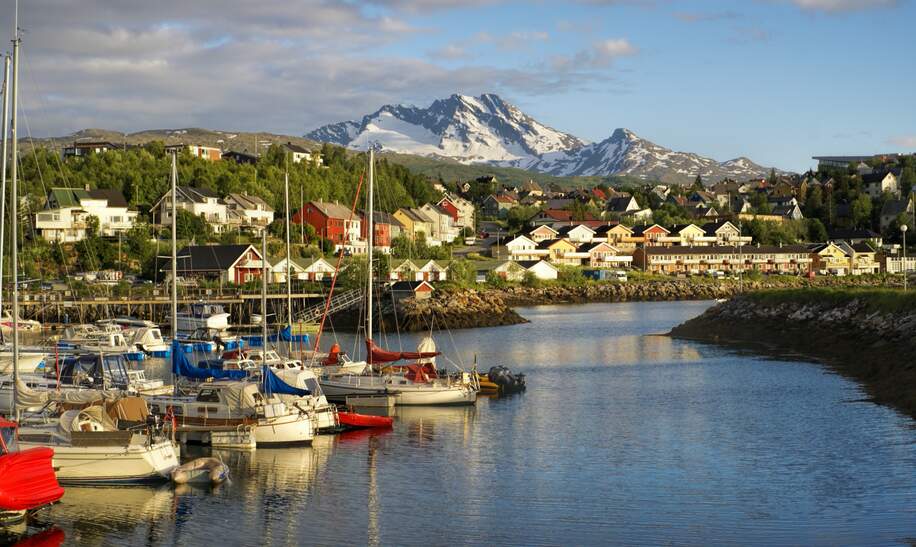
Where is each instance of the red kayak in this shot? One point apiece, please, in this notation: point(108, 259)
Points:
point(354, 420)
point(27, 479)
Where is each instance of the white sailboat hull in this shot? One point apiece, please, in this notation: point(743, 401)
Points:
point(113, 464)
point(282, 430)
point(28, 362)
point(406, 394)
point(453, 395)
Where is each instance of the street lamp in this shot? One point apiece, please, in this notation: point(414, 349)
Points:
point(903, 230)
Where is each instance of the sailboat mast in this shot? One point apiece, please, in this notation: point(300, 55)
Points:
point(369, 233)
point(289, 269)
point(14, 215)
point(264, 291)
point(3, 164)
point(174, 177)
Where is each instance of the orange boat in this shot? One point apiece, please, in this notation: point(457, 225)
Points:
point(27, 479)
point(362, 421)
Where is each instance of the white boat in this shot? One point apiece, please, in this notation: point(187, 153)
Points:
point(203, 316)
point(106, 342)
point(88, 448)
point(28, 362)
point(222, 405)
point(149, 339)
point(206, 470)
point(27, 325)
point(316, 402)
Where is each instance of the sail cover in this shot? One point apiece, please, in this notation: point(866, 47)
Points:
point(379, 355)
point(286, 335)
point(182, 367)
point(274, 385)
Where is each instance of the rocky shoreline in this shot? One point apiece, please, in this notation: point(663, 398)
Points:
point(856, 334)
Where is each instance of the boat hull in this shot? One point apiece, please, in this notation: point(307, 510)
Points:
point(136, 463)
point(28, 362)
point(284, 430)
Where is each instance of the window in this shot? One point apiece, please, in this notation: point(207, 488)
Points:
point(208, 396)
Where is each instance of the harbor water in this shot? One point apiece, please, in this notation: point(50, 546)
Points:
point(623, 437)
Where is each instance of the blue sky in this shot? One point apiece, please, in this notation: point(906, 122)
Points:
point(774, 80)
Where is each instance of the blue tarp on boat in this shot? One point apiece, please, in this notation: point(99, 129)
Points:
point(182, 367)
point(286, 335)
point(273, 384)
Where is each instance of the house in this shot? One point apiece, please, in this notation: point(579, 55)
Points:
point(441, 222)
point(498, 205)
point(576, 234)
point(893, 209)
point(682, 260)
point(878, 183)
point(532, 188)
point(208, 153)
point(789, 212)
point(414, 223)
point(240, 157)
point(460, 209)
point(419, 290)
point(688, 234)
point(862, 259)
point(402, 270)
point(704, 212)
point(551, 217)
point(432, 270)
point(725, 233)
point(604, 254)
point(543, 232)
point(248, 212)
point(299, 154)
point(386, 229)
point(541, 269)
point(332, 222)
point(701, 198)
point(650, 235)
point(303, 269)
point(68, 210)
point(557, 249)
point(201, 202)
point(508, 270)
point(80, 149)
point(523, 248)
point(830, 258)
point(622, 205)
point(225, 263)
point(560, 203)
point(618, 235)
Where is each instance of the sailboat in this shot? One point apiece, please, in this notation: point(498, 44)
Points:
point(86, 445)
point(416, 383)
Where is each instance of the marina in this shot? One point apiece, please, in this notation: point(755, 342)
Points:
point(633, 436)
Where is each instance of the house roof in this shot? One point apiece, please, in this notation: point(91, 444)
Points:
point(411, 286)
point(528, 264)
point(894, 207)
point(296, 148)
point(784, 210)
point(68, 197)
point(605, 228)
point(413, 215)
point(113, 196)
point(548, 243)
point(589, 247)
point(332, 210)
point(246, 201)
point(862, 247)
point(566, 229)
point(620, 204)
point(556, 214)
point(677, 228)
point(208, 258)
point(640, 230)
point(712, 227)
point(872, 178)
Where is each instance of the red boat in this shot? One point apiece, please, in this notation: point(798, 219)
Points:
point(362, 421)
point(27, 479)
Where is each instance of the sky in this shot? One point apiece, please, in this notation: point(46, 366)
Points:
point(777, 81)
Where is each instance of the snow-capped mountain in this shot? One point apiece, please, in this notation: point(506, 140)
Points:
point(487, 129)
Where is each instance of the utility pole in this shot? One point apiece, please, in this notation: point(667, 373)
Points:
point(903, 229)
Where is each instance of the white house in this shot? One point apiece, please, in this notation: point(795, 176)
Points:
point(441, 221)
point(543, 232)
point(540, 268)
point(68, 210)
point(303, 269)
point(198, 201)
point(505, 269)
point(245, 211)
point(878, 183)
point(579, 233)
point(299, 154)
point(432, 271)
point(523, 248)
point(604, 254)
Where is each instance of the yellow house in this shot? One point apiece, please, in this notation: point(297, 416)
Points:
point(616, 235)
point(830, 258)
point(557, 251)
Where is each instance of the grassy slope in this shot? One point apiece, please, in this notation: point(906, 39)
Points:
point(876, 299)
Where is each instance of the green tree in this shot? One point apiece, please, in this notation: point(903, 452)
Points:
point(861, 211)
point(817, 232)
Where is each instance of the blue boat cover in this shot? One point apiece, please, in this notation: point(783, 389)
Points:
point(286, 335)
point(182, 367)
point(273, 384)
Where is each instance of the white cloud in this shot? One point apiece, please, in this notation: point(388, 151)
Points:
point(601, 54)
point(903, 141)
point(842, 5)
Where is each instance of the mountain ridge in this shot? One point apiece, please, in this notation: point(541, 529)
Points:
point(486, 129)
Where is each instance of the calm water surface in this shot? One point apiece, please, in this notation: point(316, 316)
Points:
point(622, 437)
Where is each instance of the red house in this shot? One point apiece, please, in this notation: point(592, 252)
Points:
point(449, 208)
point(650, 234)
point(331, 221)
point(382, 233)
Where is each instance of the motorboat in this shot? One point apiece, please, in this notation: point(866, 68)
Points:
point(89, 448)
point(26, 325)
point(29, 362)
point(352, 420)
point(149, 340)
point(229, 404)
point(107, 371)
point(27, 479)
point(107, 342)
point(202, 316)
point(304, 378)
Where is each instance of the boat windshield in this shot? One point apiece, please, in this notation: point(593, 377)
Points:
point(115, 370)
